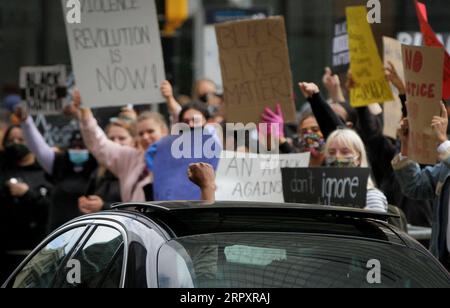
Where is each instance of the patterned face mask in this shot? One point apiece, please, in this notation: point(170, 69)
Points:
point(314, 143)
point(341, 162)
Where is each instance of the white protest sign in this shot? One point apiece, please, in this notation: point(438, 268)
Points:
point(116, 52)
point(43, 88)
point(255, 179)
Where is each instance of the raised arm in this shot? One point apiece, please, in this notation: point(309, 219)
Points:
point(172, 104)
point(113, 156)
point(325, 115)
point(416, 183)
point(35, 141)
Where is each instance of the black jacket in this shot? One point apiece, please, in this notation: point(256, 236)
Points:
point(105, 185)
point(25, 218)
point(69, 185)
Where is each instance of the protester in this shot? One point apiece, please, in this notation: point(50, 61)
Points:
point(25, 200)
point(205, 91)
point(310, 138)
point(345, 149)
point(431, 183)
point(194, 114)
point(104, 188)
point(127, 163)
point(69, 171)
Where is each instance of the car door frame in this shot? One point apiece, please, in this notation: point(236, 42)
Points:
point(91, 225)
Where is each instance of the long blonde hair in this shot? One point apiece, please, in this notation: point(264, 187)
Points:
point(351, 140)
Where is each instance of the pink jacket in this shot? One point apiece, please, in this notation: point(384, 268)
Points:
point(126, 163)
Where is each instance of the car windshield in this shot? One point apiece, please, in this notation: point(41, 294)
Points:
point(271, 260)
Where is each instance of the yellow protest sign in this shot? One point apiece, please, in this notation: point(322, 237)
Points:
point(371, 85)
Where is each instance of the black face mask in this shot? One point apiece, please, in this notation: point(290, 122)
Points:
point(16, 151)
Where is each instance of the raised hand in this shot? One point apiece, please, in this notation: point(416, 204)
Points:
point(167, 90)
point(440, 125)
point(21, 113)
point(275, 122)
point(333, 85)
point(203, 176)
point(393, 76)
point(308, 89)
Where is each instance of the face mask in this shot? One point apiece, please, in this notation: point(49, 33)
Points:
point(344, 162)
point(78, 157)
point(16, 151)
point(313, 143)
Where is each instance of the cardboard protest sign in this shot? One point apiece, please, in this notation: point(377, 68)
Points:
point(326, 186)
point(256, 73)
point(256, 179)
point(171, 161)
point(423, 67)
point(116, 53)
point(43, 89)
point(365, 62)
point(393, 109)
point(430, 39)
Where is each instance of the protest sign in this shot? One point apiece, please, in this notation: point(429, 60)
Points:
point(326, 186)
point(430, 39)
point(365, 62)
point(256, 179)
point(43, 89)
point(255, 65)
point(423, 67)
point(172, 158)
point(340, 54)
point(116, 53)
point(393, 110)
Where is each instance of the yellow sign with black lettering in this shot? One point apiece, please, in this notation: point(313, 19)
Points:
point(371, 85)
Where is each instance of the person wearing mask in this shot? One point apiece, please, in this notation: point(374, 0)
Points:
point(127, 163)
point(310, 138)
point(192, 129)
point(25, 201)
point(68, 171)
point(345, 149)
point(205, 91)
point(104, 188)
point(430, 183)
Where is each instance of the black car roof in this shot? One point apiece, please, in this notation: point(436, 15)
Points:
point(177, 206)
point(181, 219)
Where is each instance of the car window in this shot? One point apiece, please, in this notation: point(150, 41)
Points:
point(98, 263)
point(40, 271)
point(270, 260)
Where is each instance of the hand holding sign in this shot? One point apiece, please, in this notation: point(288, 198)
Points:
point(167, 90)
point(393, 76)
point(440, 125)
point(73, 109)
point(21, 113)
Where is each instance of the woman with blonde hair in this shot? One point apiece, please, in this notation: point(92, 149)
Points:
point(345, 149)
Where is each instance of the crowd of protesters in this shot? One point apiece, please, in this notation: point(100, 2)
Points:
point(41, 187)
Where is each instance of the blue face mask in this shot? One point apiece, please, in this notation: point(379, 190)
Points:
point(78, 157)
